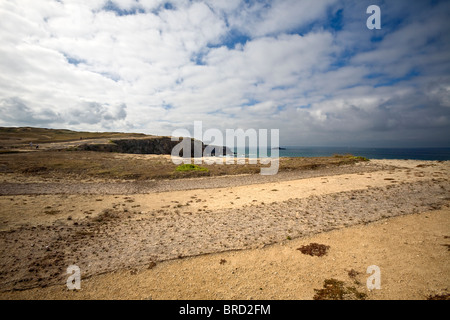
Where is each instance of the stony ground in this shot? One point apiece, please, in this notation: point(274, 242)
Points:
point(47, 227)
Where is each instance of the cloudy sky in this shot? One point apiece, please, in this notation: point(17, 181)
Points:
point(310, 68)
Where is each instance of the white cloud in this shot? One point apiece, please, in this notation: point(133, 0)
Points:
point(273, 17)
point(135, 65)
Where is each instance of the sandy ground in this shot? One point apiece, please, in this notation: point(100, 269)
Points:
point(223, 238)
point(409, 250)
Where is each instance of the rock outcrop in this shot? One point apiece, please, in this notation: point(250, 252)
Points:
point(159, 145)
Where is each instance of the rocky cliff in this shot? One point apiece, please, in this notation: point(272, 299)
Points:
point(159, 145)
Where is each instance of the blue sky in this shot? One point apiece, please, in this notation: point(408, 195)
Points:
point(309, 68)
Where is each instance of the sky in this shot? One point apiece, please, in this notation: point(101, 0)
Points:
point(310, 68)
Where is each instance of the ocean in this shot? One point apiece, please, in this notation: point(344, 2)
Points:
point(370, 153)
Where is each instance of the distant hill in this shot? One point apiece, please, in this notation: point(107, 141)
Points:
point(25, 135)
point(19, 138)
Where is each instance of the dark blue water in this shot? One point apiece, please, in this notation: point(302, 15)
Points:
point(370, 153)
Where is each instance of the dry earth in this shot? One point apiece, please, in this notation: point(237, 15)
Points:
point(230, 237)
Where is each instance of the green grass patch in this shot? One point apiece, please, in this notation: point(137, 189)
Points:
point(350, 157)
point(360, 158)
point(190, 167)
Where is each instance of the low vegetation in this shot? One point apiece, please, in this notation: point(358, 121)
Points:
point(336, 290)
point(89, 164)
point(360, 158)
point(16, 136)
point(314, 249)
point(444, 296)
point(17, 157)
point(191, 167)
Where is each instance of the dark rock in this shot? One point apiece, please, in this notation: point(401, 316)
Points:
point(162, 145)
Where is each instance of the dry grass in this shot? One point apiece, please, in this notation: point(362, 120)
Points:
point(89, 164)
point(105, 165)
point(17, 136)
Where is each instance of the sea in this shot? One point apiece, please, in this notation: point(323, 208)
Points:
point(441, 154)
